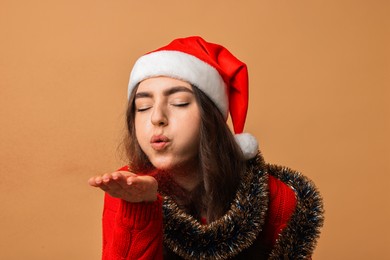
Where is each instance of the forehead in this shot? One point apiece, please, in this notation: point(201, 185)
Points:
point(159, 84)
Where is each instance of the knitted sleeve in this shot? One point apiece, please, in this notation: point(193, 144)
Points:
point(297, 238)
point(281, 206)
point(132, 230)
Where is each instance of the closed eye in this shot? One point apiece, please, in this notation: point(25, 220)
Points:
point(141, 109)
point(184, 104)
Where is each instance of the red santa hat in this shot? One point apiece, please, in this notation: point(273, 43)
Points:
point(211, 68)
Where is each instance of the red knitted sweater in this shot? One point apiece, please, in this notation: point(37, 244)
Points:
point(135, 230)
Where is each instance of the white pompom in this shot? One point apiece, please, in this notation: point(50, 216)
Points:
point(248, 144)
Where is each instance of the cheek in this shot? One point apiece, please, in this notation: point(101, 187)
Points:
point(190, 133)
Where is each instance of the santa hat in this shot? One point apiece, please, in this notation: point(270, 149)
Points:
point(212, 69)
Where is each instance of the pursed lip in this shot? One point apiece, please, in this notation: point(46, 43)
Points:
point(159, 142)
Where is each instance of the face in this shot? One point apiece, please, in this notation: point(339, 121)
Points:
point(167, 122)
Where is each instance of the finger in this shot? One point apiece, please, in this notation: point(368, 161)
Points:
point(117, 184)
point(127, 174)
point(132, 179)
point(104, 187)
point(106, 178)
point(114, 186)
point(119, 175)
point(95, 181)
point(111, 177)
point(143, 188)
point(91, 181)
point(98, 183)
point(138, 184)
point(140, 181)
point(121, 179)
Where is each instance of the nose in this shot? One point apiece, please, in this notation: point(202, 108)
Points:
point(159, 116)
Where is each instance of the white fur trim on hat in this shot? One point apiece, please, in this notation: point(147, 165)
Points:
point(248, 144)
point(185, 67)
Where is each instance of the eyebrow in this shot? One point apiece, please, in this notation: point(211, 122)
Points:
point(166, 92)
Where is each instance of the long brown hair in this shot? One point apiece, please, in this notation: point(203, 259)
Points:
point(220, 159)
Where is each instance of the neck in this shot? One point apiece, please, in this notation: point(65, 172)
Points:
point(186, 176)
point(179, 181)
point(181, 184)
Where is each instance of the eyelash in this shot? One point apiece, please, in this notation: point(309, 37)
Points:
point(142, 109)
point(175, 105)
point(180, 104)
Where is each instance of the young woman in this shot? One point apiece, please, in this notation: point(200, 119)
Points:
point(192, 189)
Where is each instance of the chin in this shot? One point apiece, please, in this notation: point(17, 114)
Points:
point(163, 165)
point(168, 164)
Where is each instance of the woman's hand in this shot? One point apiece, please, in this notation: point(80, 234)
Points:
point(127, 186)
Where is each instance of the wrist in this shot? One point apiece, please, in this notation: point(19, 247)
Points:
point(153, 194)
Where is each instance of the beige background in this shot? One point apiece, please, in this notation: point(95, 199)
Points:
point(319, 79)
